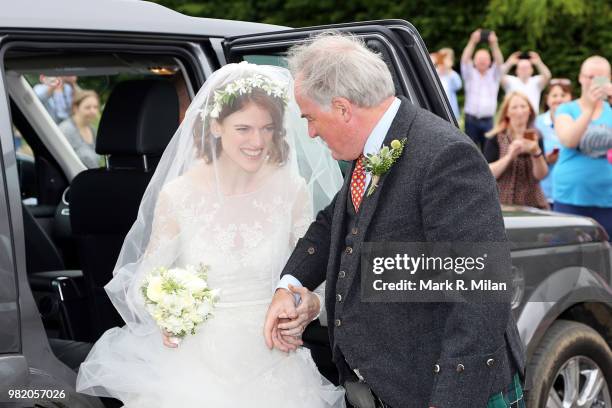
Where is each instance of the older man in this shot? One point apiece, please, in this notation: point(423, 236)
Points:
point(439, 190)
point(481, 79)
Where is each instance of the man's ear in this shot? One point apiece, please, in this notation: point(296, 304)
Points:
point(343, 107)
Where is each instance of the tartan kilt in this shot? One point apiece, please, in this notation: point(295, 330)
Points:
point(511, 397)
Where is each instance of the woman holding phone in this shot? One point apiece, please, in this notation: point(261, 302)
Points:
point(582, 182)
point(515, 153)
point(559, 91)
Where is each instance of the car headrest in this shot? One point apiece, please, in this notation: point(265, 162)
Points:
point(139, 119)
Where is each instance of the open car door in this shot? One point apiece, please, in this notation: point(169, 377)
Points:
point(414, 77)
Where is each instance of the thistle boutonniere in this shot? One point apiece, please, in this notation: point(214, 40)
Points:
point(380, 163)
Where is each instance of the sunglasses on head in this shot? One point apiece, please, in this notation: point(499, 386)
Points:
point(560, 81)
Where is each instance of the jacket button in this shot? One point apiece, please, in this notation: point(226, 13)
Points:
point(339, 298)
point(349, 250)
point(460, 368)
point(490, 362)
point(436, 368)
point(342, 274)
point(311, 250)
point(355, 231)
point(338, 322)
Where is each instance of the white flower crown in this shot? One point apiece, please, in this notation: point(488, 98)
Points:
point(243, 86)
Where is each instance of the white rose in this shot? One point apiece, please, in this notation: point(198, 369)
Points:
point(154, 289)
point(195, 284)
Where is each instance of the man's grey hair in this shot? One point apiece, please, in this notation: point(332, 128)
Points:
point(339, 65)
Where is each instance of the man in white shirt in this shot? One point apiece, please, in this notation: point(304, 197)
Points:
point(439, 189)
point(481, 77)
point(524, 81)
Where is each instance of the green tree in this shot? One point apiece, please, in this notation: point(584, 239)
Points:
point(563, 32)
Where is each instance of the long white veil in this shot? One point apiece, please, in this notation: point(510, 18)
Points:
point(303, 166)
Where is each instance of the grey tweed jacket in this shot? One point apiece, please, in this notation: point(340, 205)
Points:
point(416, 354)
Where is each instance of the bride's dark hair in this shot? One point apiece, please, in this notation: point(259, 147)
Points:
point(208, 146)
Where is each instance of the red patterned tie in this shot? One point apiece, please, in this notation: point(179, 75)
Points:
point(358, 183)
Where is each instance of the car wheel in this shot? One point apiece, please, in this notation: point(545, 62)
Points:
point(572, 367)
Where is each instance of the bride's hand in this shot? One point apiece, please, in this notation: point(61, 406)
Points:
point(307, 311)
point(167, 339)
point(282, 306)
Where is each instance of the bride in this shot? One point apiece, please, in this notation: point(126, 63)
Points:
point(237, 186)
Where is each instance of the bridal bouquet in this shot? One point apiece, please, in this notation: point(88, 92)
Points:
point(179, 299)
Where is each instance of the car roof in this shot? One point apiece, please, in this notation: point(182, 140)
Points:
point(133, 16)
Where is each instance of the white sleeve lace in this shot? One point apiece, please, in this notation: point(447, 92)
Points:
point(165, 228)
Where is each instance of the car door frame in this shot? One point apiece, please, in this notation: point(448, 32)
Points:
point(13, 364)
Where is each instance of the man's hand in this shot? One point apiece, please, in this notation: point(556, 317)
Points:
point(281, 307)
point(492, 39)
point(475, 37)
point(307, 310)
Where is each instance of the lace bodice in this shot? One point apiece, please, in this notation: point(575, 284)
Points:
point(245, 239)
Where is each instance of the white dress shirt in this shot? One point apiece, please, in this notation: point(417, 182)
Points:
point(373, 144)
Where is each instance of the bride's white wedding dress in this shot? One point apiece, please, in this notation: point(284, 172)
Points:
point(245, 241)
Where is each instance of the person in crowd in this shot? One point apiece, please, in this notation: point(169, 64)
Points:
point(514, 151)
point(582, 181)
point(78, 129)
point(559, 91)
point(481, 78)
point(451, 81)
point(524, 81)
point(56, 94)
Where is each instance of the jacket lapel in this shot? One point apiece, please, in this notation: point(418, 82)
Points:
point(398, 130)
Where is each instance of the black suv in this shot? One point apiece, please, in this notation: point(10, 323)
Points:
point(58, 247)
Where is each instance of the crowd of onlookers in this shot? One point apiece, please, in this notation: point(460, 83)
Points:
point(560, 158)
point(75, 110)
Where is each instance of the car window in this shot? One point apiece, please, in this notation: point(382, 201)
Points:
point(277, 60)
point(75, 105)
point(70, 109)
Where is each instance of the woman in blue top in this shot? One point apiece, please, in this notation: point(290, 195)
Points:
point(559, 91)
point(582, 181)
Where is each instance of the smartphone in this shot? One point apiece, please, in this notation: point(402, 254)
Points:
point(601, 81)
point(531, 134)
point(484, 36)
point(555, 150)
